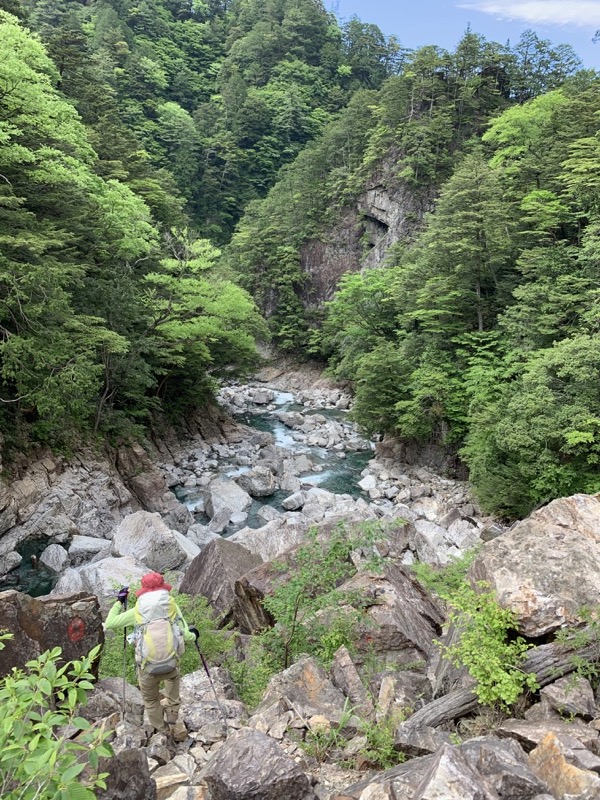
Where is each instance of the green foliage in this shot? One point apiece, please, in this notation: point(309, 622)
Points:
point(486, 647)
point(37, 706)
point(380, 749)
point(311, 614)
point(323, 740)
point(445, 581)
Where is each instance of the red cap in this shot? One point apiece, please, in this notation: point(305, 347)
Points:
point(153, 582)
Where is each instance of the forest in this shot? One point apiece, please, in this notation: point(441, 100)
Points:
point(164, 164)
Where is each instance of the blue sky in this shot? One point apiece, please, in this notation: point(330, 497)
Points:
point(442, 22)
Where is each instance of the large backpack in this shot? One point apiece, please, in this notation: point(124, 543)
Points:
point(157, 636)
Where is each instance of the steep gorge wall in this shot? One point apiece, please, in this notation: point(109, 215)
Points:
point(386, 212)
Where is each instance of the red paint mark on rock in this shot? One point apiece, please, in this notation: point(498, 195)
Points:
point(76, 629)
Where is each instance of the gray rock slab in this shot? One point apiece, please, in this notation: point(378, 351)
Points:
point(146, 537)
point(214, 571)
point(252, 766)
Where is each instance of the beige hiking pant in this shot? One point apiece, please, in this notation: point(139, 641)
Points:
point(150, 687)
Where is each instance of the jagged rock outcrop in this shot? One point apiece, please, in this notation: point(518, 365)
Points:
point(547, 568)
point(71, 622)
point(214, 572)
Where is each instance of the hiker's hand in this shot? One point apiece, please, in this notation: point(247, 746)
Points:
point(123, 595)
point(196, 632)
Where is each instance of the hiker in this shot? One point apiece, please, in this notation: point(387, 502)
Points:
point(159, 635)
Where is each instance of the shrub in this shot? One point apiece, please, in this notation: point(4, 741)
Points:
point(38, 708)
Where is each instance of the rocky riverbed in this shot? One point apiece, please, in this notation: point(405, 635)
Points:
point(285, 461)
point(222, 505)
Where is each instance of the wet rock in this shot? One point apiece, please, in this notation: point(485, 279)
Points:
point(548, 566)
point(258, 482)
point(225, 494)
point(128, 777)
point(55, 558)
point(252, 766)
point(214, 572)
point(147, 538)
point(71, 622)
point(84, 548)
point(565, 781)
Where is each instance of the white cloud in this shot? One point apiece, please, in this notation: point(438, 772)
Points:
point(581, 13)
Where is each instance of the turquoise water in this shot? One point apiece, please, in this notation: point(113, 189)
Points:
point(27, 578)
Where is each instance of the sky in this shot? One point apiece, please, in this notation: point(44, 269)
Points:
point(442, 22)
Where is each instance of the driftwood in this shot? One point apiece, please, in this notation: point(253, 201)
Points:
point(548, 662)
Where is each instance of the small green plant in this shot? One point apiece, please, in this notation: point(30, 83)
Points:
point(486, 649)
point(37, 705)
point(584, 638)
point(380, 736)
point(445, 581)
point(322, 740)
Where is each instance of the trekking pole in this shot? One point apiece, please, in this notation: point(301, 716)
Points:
point(122, 598)
point(210, 680)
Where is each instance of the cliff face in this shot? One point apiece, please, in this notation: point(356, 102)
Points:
point(387, 211)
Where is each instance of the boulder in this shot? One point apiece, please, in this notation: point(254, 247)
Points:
point(295, 501)
point(565, 781)
point(146, 537)
point(70, 582)
point(504, 764)
point(414, 742)
point(530, 734)
point(104, 577)
point(450, 777)
point(345, 676)
point(272, 539)
point(306, 688)
point(548, 566)
point(106, 698)
point(9, 562)
point(225, 494)
point(128, 777)
point(258, 482)
point(201, 535)
point(149, 486)
point(71, 622)
point(55, 558)
point(84, 548)
point(214, 572)
point(252, 766)
point(571, 696)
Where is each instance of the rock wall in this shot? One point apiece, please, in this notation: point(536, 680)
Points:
point(386, 212)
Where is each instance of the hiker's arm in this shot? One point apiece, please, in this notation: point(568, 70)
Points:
point(187, 636)
point(117, 618)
